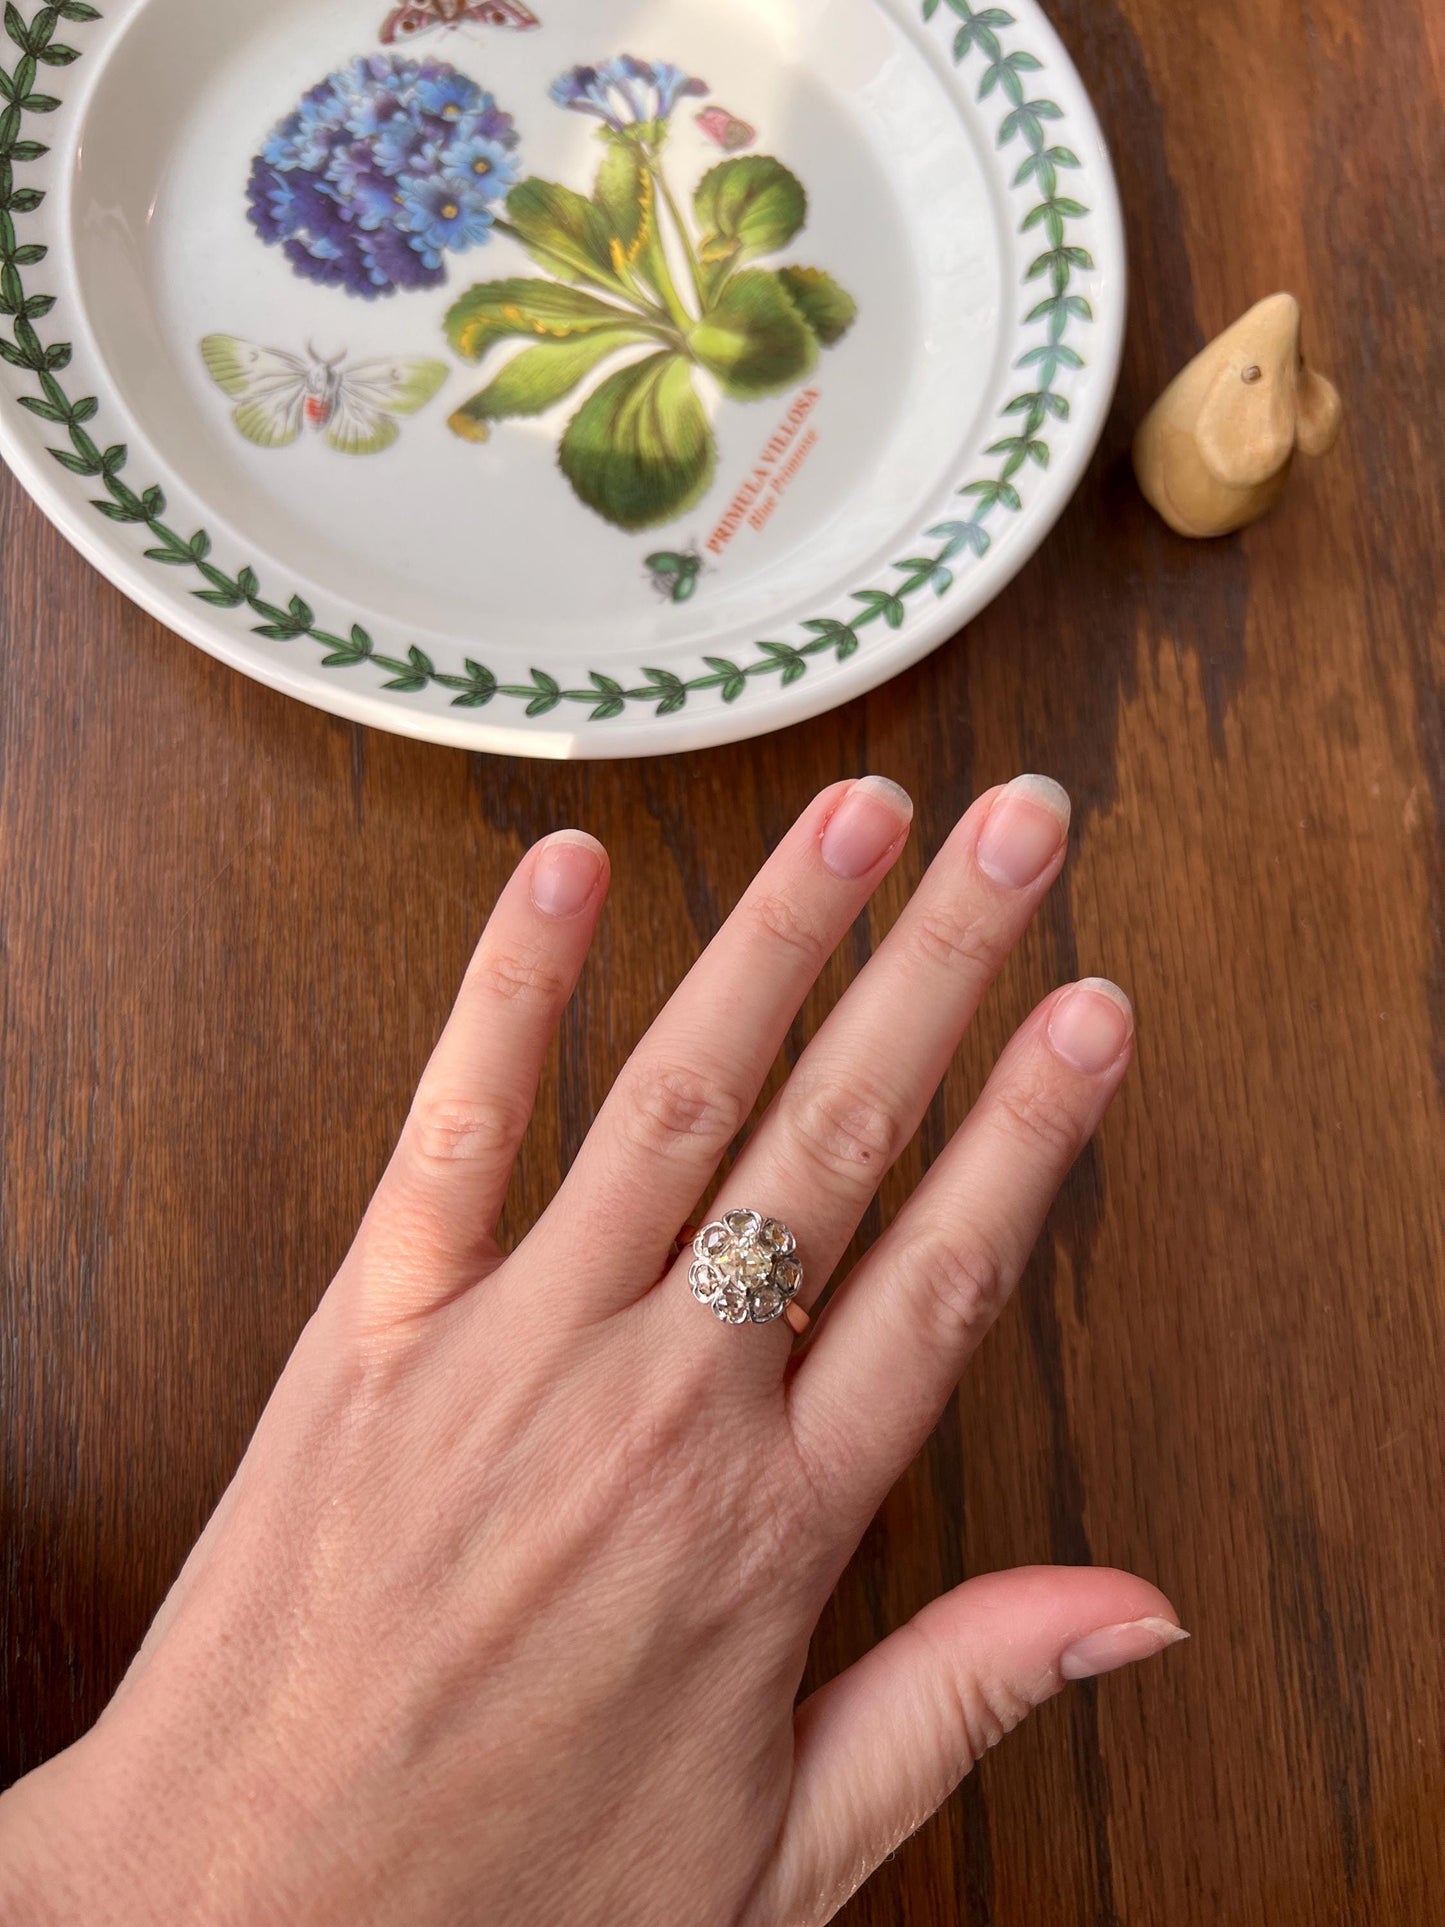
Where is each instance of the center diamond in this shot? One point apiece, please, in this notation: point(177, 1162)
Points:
point(750, 1262)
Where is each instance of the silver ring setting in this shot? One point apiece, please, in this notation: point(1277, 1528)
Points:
point(746, 1268)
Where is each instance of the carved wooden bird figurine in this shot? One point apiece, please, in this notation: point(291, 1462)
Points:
point(1214, 452)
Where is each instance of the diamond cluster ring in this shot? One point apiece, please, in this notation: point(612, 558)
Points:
point(746, 1268)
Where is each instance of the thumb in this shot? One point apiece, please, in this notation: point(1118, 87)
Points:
point(881, 1747)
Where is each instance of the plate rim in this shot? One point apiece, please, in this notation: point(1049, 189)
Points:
point(610, 730)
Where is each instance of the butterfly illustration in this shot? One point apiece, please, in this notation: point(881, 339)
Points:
point(674, 573)
point(726, 129)
point(415, 17)
point(352, 404)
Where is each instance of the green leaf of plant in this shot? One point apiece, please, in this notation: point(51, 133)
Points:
point(755, 340)
point(829, 310)
point(562, 230)
point(639, 450)
point(496, 311)
point(841, 635)
point(746, 207)
point(623, 196)
point(880, 603)
point(549, 693)
point(537, 379)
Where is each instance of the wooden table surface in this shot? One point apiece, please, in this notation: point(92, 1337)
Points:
point(231, 927)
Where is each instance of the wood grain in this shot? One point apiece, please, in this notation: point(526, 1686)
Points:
point(232, 926)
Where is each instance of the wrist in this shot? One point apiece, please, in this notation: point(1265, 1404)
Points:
point(99, 1835)
point(52, 1870)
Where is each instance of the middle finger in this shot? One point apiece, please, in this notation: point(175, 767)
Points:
point(860, 1089)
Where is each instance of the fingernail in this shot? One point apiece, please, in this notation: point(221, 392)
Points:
point(1091, 1024)
point(1115, 1646)
point(865, 826)
point(565, 873)
point(1028, 822)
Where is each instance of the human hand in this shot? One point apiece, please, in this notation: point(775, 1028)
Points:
point(503, 1616)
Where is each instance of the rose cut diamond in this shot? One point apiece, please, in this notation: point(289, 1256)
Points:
point(746, 1268)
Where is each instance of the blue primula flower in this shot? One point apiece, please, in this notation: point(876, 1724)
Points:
point(392, 262)
point(300, 142)
point(625, 91)
point(670, 84)
point(319, 258)
point(380, 171)
point(375, 202)
point(402, 147)
point(271, 202)
point(367, 113)
point(443, 215)
point(449, 96)
point(483, 167)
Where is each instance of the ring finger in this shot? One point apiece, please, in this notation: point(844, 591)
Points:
point(860, 1089)
point(690, 1084)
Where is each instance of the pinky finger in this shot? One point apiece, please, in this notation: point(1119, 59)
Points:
point(880, 1748)
point(429, 1234)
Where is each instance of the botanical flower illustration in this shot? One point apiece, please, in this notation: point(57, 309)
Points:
point(625, 92)
point(640, 449)
point(382, 170)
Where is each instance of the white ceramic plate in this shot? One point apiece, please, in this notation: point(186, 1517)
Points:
point(583, 378)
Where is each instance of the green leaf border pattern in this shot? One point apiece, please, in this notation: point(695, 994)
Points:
point(1027, 415)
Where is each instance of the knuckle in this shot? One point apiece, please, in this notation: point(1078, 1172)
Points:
point(1038, 1116)
point(981, 1708)
point(986, 1711)
point(783, 923)
point(844, 1129)
point(963, 1285)
point(951, 937)
point(446, 1130)
point(515, 976)
point(668, 1107)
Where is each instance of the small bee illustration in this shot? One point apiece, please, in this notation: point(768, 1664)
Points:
point(674, 572)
